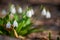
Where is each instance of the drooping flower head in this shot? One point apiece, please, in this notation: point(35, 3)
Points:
point(19, 10)
point(30, 13)
point(12, 9)
point(8, 25)
point(44, 12)
point(15, 23)
point(48, 15)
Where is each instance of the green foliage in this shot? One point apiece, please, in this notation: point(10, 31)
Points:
point(16, 17)
point(49, 36)
point(3, 31)
point(24, 24)
point(5, 19)
point(1, 22)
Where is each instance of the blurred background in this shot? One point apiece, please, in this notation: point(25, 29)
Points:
point(39, 21)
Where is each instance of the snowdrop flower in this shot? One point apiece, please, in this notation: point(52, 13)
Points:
point(15, 24)
point(44, 12)
point(30, 13)
point(48, 15)
point(12, 9)
point(19, 10)
point(4, 12)
point(8, 25)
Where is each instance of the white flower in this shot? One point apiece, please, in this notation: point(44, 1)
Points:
point(19, 10)
point(44, 12)
point(48, 15)
point(12, 9)
point(15, 24)
point(30, 13)
point(4, 12)
point(8, 25)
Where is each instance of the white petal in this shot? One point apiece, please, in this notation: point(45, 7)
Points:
point(29, 14)
point(12, 9)
point(48, 15)
point(20, 10)
point(4, 12)
point(15, 24)
point(8, 25)
point(44, 12)
point(32, 11)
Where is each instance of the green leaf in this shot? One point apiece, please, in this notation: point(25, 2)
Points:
point(16, 17)
point(18, 29)
point(5, 19)
point(49, 36)
point(1, 32)
point(1, 21)
point(5, 32)
point(27, 22)
point(27, 27)
point(23, 32)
